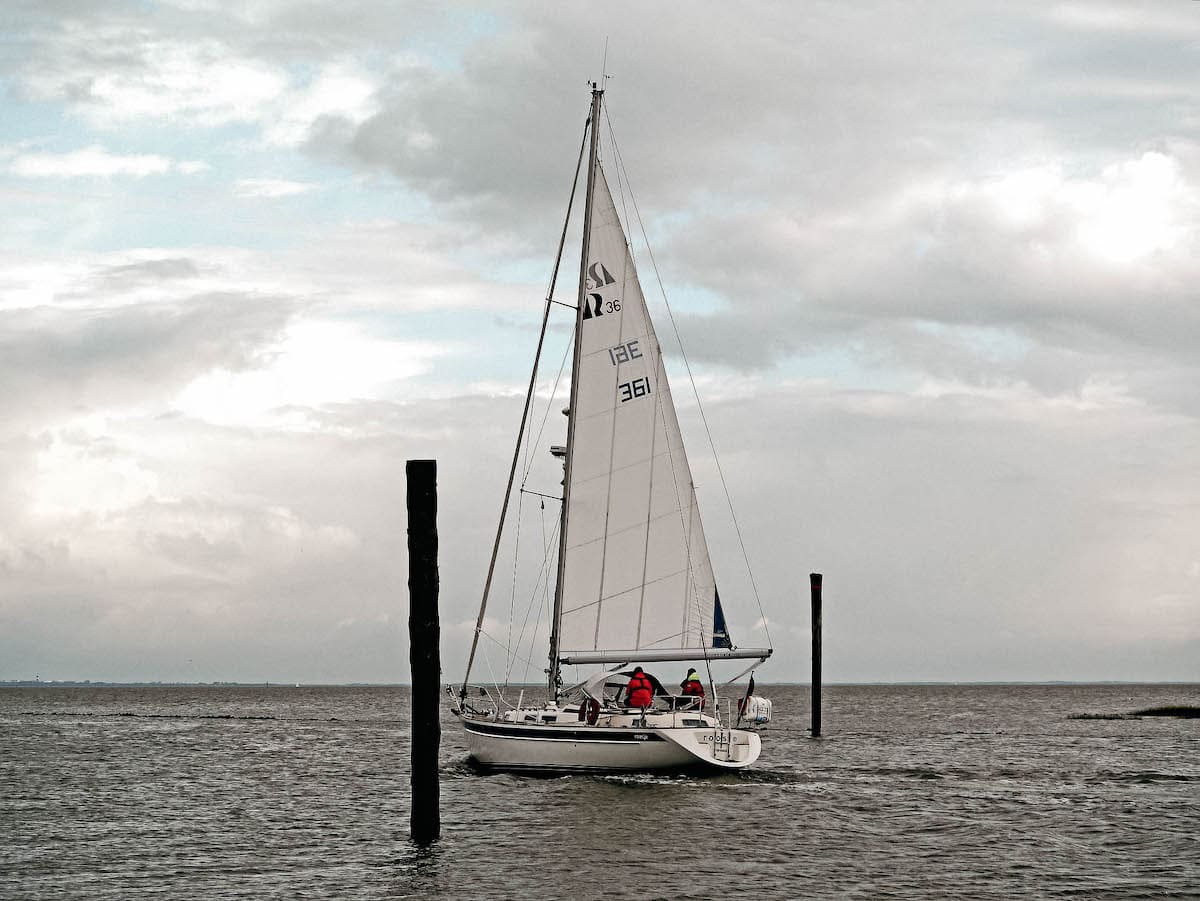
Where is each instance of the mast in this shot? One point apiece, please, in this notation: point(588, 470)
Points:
point(554, 679)
point(537, 357)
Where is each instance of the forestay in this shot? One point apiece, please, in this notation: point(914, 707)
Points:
point(637, 574)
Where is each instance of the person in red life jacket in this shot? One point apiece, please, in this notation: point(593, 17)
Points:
point(640, 690)
point(691, 686)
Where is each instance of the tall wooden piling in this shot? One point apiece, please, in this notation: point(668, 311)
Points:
point(424, 637)
point(814, 584)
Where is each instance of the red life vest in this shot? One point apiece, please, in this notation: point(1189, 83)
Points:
point(694, 687)
point(640, 691)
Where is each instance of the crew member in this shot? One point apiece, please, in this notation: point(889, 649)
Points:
point(691, 685)
point(640, 690)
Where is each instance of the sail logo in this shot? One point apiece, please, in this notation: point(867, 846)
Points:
point(594, 305)
point(599, 276)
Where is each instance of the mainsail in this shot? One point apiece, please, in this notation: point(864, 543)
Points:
point(635, 582)
point(636, 573)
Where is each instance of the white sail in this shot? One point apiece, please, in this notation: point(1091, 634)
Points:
point(637, 574)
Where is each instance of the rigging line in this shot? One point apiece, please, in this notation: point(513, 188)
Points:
point(544, 606)
point(543, 584)
point(512, 595)
point(541, 608)
point(487, 660)
point(499, 691)
point(546, 544)
point(562, 367)
point(531, 445)
point(545, 556)
point(524, 416)
point(540, 584)
point(612, 137)
point(751, 668)
point(549, 497)
point(696, 393)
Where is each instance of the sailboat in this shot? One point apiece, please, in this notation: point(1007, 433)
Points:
point(635, 585)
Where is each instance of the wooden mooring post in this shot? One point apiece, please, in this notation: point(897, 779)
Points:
point(424, 638)
point(814, 584)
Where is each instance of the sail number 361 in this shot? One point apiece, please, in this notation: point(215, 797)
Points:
point(639, 387)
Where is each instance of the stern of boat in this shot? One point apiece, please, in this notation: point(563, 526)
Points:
point(727, 749)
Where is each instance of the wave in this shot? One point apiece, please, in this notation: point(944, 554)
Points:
point(148, 716)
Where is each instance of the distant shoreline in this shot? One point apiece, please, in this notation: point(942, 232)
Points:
point(43, 683)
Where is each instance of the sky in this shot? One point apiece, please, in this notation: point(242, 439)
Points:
point(933, 266)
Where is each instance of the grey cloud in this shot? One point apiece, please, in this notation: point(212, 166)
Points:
point(285, 564)
point(800, 286)
point(925, 513)
point(51, 358)
point(766, 187)
point(148, 272)
point(446, 135)
point(941, 518)
point(802, 108)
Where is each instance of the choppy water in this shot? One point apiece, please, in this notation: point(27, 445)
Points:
point(914, 792)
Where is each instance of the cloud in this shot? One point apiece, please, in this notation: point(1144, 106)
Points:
point(137, 354)
point(168, 70)
point(197, 83)
point(205, 541)
point(269, 187)
point(96, 162)
point(985, 513)
point(1031, 275)
point(341, 95)
point(315, 363)
point(416, 267)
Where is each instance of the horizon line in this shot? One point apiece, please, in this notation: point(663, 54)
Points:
point(291, 683)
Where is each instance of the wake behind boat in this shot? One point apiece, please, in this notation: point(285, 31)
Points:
point(635, 583)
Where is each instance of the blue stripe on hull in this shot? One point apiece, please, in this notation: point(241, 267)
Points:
point(698, 767)
point(619, 735)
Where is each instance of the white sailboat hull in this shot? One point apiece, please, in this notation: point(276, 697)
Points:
point(583, 748)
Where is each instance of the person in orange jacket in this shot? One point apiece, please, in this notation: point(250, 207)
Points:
point(640, 690)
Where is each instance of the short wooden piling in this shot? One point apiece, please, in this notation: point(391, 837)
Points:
point(814, 584)
point(424, 636)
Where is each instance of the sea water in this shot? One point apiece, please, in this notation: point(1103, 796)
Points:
point(914, 791)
